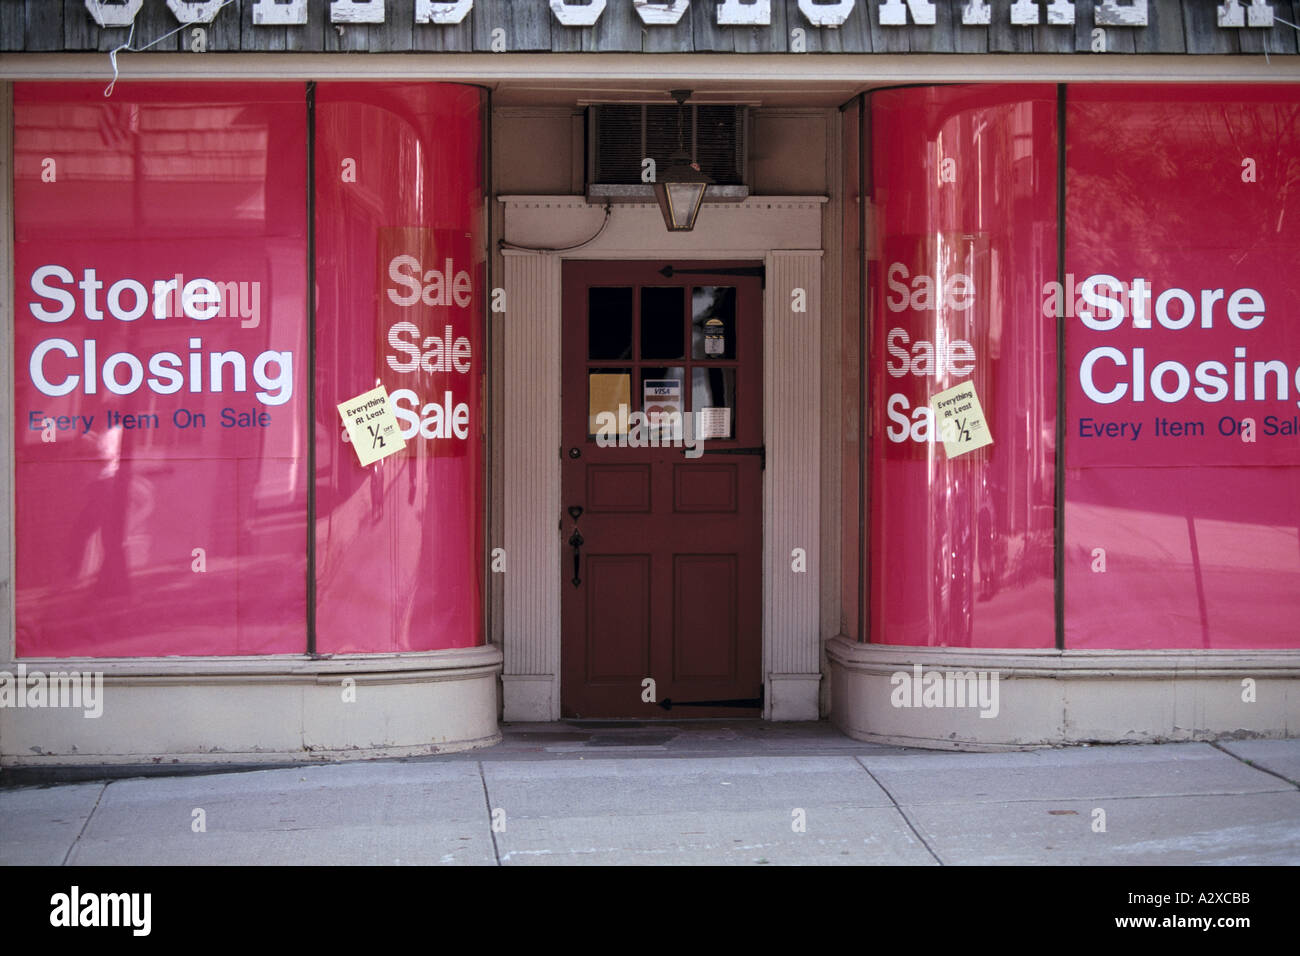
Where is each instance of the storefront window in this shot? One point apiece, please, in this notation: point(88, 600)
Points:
point(1180, 374)
point(163, 376)
point(1182, 367)
point(963, 391)
point(160, 369)
point(400, 277)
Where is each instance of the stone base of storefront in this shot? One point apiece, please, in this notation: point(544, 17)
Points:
point(1051, 698)
point(262, 710)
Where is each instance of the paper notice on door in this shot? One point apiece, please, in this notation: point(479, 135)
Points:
point(715, 339)
point(371, 426)
point(715, 423)
point(960, 420)
point(608, 394)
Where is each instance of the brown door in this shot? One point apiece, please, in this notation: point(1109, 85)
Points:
point(662, 570)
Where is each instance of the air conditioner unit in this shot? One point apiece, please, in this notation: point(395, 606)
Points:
point(620, 137)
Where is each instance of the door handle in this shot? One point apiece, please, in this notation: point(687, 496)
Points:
point(575, 542)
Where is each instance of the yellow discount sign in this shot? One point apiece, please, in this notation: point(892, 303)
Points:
point(371, 426)
point(960, 420)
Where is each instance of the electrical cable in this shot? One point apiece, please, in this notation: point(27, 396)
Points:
point(112, 54)
point(505, 244)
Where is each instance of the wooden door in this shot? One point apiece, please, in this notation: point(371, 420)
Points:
point(662, 569)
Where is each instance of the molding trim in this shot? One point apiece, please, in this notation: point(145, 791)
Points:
point(785, 232)
point(792, 484)
point(451, 664)
point(531, 459)
point(1052, 698)
point(853, 71)
point(1075, 664)
point(262, 710)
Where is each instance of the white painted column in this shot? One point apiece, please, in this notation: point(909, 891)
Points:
point(531, 422)
point(791, 487)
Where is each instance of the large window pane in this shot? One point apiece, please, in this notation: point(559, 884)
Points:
point(161, 369)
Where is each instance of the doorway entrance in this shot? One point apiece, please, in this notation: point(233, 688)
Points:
point(662, 476)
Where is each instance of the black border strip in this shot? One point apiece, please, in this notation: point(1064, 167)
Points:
point(1059, 550)
point(311, 368)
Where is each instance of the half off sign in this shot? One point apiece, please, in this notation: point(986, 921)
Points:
point(371, 426)
point(960, 420)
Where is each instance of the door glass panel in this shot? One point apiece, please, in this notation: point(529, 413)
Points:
point(713, 322)
point(662, 328)
point(609, 323)
point(713, 399)
point(663, 399)
point(607, 390)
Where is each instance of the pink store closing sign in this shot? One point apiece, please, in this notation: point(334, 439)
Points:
point(1176, 521)
point(163, 376)
point(1182, 367)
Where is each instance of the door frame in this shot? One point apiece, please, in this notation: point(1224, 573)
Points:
point(785, 233)
point(666, 534)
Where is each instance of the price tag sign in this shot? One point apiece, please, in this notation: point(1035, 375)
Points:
point(371, 427)
point(960, 420)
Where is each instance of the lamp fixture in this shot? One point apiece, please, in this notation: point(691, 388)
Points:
point(680, 189)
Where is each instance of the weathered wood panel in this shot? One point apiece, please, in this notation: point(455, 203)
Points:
point(1200, 29)
point(939, 38)
point(888, 39)
point(969, 39)
point(44, 25)
point(677, 38)
point(708, 36)
point(223, 33)
point(770, 39)
point(275, 38)
point(309, 37)
point(444, 38)
point(530, 26)
point(1280, 39)
point(13, 15)
point(397, 33)
point(1163, 33)
point(1117, 39)
point(619, 28)
point(526, 27)
point(1006, 38)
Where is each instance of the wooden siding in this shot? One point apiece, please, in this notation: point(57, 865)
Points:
point(1174, 26)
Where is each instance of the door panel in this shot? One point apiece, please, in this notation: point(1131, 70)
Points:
point(668, 546)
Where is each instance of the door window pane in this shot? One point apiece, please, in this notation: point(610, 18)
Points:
point(609, 323)
point(662, 328)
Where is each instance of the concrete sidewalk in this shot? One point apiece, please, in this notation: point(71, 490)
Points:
point(731, 792)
